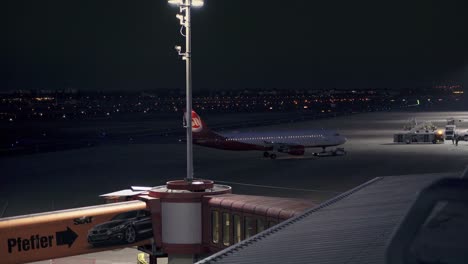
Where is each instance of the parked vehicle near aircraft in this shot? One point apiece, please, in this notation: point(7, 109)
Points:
point(450, 129)
point(415, 132)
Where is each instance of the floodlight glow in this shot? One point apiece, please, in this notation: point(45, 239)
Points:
point(175, 2)
point(197, 3)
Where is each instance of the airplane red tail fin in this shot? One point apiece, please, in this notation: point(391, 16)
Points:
point(198, 125)
point(199, 128)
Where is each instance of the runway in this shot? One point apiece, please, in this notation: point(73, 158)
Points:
point(67, 179)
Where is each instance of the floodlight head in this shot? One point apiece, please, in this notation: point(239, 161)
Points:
point(178, 48)
point(175, 2)
point(195, 3)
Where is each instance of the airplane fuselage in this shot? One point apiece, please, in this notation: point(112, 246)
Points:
point(267, 141)
point(292, 142)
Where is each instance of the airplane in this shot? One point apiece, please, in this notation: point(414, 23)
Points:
point(289, 142)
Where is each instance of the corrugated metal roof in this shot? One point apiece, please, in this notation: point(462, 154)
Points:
point(353, 227)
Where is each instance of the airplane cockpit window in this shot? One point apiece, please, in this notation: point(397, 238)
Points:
point(337, 134)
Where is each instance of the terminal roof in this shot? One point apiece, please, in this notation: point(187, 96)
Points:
point(354, 227)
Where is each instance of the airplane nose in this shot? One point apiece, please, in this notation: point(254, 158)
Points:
point(344, 139)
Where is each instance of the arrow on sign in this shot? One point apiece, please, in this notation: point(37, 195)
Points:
point(66, 237)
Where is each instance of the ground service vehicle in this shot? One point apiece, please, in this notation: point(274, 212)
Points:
point(422, 137)
point(450, 131)
point(417, 132)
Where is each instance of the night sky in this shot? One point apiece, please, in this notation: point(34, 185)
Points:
point(237, 44)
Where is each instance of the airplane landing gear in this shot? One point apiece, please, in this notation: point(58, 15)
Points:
point(266, 154)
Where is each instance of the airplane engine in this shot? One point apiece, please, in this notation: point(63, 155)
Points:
point(296, 150)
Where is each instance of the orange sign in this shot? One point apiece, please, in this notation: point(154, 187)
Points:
point(75, 231)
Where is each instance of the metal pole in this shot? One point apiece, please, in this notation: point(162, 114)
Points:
point(188, 61)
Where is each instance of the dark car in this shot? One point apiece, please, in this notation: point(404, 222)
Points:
point(126, 227)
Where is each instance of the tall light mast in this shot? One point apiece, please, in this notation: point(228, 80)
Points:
point(185, 21)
